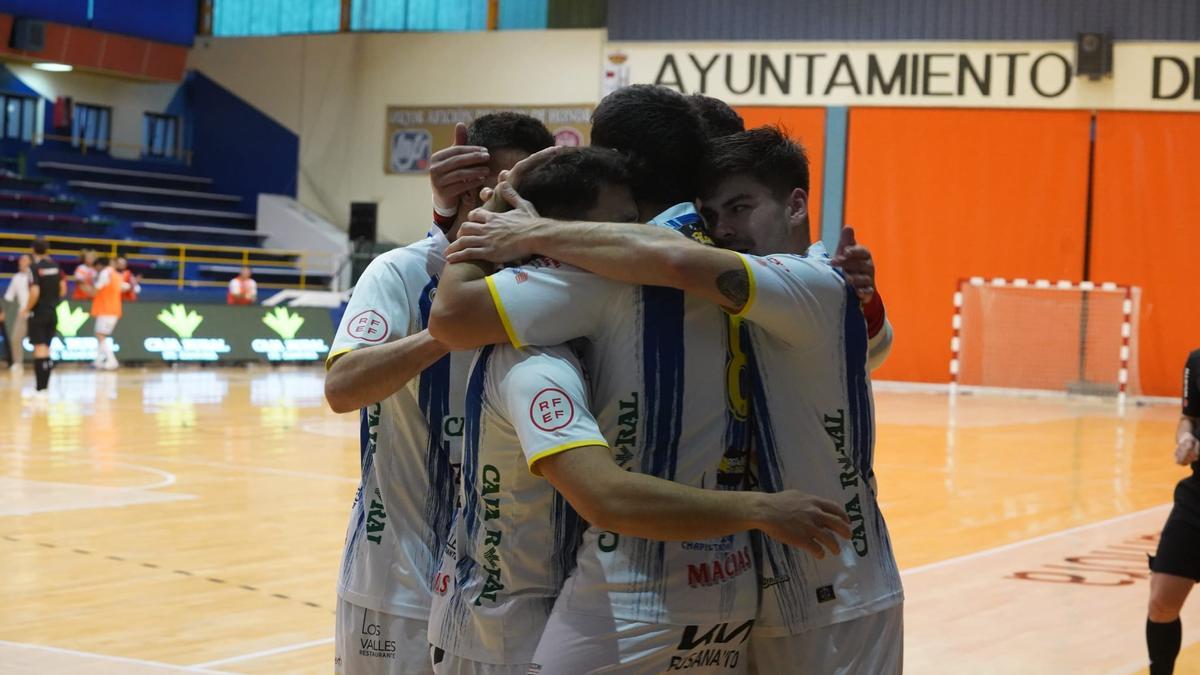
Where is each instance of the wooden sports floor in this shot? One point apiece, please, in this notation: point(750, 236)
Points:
point(155, 521)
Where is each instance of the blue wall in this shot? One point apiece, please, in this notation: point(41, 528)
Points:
point(172, 21)
point(243, 150)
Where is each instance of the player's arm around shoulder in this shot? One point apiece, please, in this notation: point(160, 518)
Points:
point(465, 313)
point(631, 253)
point(374, 353)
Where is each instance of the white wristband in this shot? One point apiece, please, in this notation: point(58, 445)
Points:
point(444, 212)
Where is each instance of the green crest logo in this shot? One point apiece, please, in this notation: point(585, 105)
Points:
point(70, 320)
point(181, 320)
point(283, 322)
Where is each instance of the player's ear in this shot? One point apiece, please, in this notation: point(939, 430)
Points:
point(797, 206)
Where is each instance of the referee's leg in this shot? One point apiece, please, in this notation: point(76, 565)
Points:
point(1164, 632)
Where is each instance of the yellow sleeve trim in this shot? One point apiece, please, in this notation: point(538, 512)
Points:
point(508, 329)
point(561, 448)
point(334, 356)
point(753, 287)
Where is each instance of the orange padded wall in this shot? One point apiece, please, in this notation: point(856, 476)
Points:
point(938, 195)
point(1146, 231)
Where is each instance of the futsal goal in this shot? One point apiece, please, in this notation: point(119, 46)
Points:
point(1073, 337)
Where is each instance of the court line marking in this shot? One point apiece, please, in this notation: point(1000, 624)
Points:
point(1025, 542)
point(106, 657)
point(222, 465)
point(168, 478)
point(266, 652)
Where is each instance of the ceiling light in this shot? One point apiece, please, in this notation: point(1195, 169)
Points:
point(54, 67)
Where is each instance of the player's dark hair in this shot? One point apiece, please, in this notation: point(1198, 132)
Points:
point(765, 153)
point(102, 261)
point(40, 246)
point(660, 133)
point(718, 118)
point(568, 184)
point(496, 131)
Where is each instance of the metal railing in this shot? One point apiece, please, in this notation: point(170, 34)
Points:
point(182, 255)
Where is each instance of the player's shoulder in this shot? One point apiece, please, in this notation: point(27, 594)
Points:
point(529, 369)
point(813, 265)
point(406, 262)
point(549, 268)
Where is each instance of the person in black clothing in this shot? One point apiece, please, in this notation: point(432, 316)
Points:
point(1176, 565)
point(48, 288)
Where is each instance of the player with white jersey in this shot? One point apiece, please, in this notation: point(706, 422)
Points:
point(656, 359)
point(410, 392)
point(529, 409)
point(806, 350)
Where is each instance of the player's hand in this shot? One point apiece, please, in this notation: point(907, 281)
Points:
point(497, 236)
point(806, 522)
point(857, 264)
point(1187, 451)
point(458, 170)
point(514, 175)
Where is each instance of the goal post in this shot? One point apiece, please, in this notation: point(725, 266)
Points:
point(1072, 337)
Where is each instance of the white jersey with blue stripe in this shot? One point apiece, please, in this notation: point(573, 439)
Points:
point(814, 431)
point(410, 443)
point(657, 361)
point(515, 537)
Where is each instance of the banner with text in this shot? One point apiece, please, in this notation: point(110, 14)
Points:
point(1146, 76)
point(414, 134)
point(172, 332)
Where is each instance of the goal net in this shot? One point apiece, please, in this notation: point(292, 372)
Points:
point(1040, 335)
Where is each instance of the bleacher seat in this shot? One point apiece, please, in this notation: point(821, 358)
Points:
point(198, 234)
point(36, 202)
point(130, 175)
point(180, 214)
point(9, 179)
point(154, 194)
point(282, 275)
point(60, 222)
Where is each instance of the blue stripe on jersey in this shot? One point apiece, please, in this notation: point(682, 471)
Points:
point(433, 397)
point(470, 465)
point(857, 391)
point(662, 370)
point(779, 563)
point(358, 514)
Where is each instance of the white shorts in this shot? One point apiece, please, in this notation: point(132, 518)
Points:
point(106, 324)
point(574, 644)
point(449, 664)
point(368, 642)
point(869, 645)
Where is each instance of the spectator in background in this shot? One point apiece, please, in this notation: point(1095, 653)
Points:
point(85, 275)
point(242, 289)
point(16, 297)
point(106, 310)
point(130, 282)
